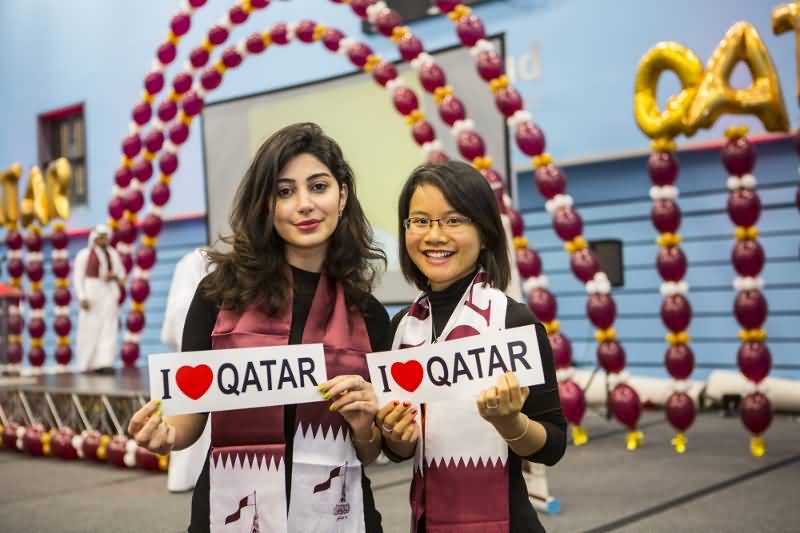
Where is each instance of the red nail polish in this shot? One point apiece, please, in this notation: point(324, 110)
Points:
point(413, 411)
point(406, 404)
point(395, 403)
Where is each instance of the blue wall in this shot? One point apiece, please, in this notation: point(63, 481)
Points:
point(58, 53)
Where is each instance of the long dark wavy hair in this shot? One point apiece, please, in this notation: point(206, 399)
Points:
point(254, 270)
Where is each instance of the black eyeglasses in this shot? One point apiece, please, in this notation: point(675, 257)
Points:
point(423, 224)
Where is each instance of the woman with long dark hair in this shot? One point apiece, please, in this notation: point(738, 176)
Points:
point(298, 269)
point(468, 474)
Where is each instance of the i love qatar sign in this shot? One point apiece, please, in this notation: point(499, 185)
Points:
point(456, 369)
point(239, 378)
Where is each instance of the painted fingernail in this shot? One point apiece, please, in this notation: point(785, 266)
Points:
point(406, 404)
point(413, 411)
point(395, 403)
point(326, 395)
point(321, 387)
point(332, 408)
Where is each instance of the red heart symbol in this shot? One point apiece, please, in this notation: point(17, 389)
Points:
point(408, 375)
point(194, 381)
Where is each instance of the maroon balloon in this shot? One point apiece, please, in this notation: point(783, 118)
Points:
point(410, 47)
point(231, 58)
point(63, 355)
point(756, 412)
point(154, 140)
point(676, 312)
point(59, 239)
point(666, 216)
point(35, 270)
point(543, 304)
point(151, 226)
point(451, 109)
point(140, 289)
point(567, 223)
point(738, 156)
point(423, 132)
point(431, 76)
point(750, 309)
point(62, 296)
point(255, 43)
point(438, 157)
point(358, 54)
point(625, 405)
point(744, 207)
point(611, 356)
point(384, 73)
point(10, 436)
point(470, 145)
point(15, 267)
point(32, 440)
point(130, 353)
point(508, 101)
point(754, 360)
point(14, 353)
point(166, 112)
point(210, 79)
point(387, 20)
point(447, 6)
point(62, 444)
point(14, 240)
point(142, 111)
point(470, 30)
point(122, 292)
point(14, 324)
point(168, 163)
point(131, 145)
point(331, 38)
point(528, 263)
point(663, 168)
point(135, 321)
point(33, 242)
point(36, 299)
point(126, 232)
point(679, 360)
point(498, 186)
point(748, 258)
point(160, 194)
point(517, 223)
point(134, 200)
point(405, 101)
point(127, 261)
point(573, 401)
point(490, 65)
point(680, 411)
point(562, 349)
point(116, 450)
point(530, 139)
point(36, 356)
point(584, 264)
point(91, 441)
point(62, 326)
point(671, 263)
point(601, 310)
point(146, 460)
point(146, 257)
point(36, 327)
point(280, 34)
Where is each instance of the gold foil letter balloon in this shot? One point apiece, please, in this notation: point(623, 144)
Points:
point(787, 18)
point(716, 97)
point(683, 62)
point(9, 206)
point(47, 197)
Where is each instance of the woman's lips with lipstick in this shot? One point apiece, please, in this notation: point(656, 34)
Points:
point(307, 225)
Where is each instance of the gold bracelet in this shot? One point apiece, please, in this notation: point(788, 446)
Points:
point(371, 439)
point(522, 435)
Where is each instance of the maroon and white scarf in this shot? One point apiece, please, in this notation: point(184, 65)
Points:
point(248, 446)
point(461, 467)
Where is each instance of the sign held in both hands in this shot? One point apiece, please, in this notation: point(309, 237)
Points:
point(238, 378)
point(456, 369)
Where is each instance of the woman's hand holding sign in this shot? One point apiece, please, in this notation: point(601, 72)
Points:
point(150, 430)
point(501, 406)
point(398, 425)
point(354, 398)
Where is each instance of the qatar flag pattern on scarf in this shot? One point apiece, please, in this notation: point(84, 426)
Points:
point(461, 468)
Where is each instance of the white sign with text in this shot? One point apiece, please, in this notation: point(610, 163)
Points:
point(238, 378)
point(456, 369)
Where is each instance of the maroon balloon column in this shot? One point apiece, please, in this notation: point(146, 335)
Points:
point(34, 267)
point(676, 311)
point(472, 148)
point(16, 269)
point(750, 305)
point(61, 295)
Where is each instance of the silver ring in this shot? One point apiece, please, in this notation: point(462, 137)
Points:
point(387, 429)
point(494, 405)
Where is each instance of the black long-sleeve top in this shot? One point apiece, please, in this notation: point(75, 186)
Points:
point(200, 320)
point(543, 404)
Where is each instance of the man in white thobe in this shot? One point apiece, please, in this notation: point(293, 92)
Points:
point(98, 274)
point(184, 465)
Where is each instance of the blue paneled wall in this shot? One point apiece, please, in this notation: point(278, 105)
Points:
point(613, 199)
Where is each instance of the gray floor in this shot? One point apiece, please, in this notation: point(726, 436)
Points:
point(715, 486)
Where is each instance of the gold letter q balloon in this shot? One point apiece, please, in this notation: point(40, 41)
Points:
point(683, 62)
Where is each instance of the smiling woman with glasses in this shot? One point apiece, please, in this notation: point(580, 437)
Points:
point(468, 474)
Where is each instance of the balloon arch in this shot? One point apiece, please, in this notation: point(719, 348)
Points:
point(168, 128)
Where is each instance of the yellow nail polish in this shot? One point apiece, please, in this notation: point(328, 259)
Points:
point(332, 408)
point(326, 395)
point(321, 387)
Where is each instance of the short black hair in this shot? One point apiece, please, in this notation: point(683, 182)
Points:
point(468, 192)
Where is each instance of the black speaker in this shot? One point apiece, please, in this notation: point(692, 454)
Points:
point(609, 255)
point(411, 10)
